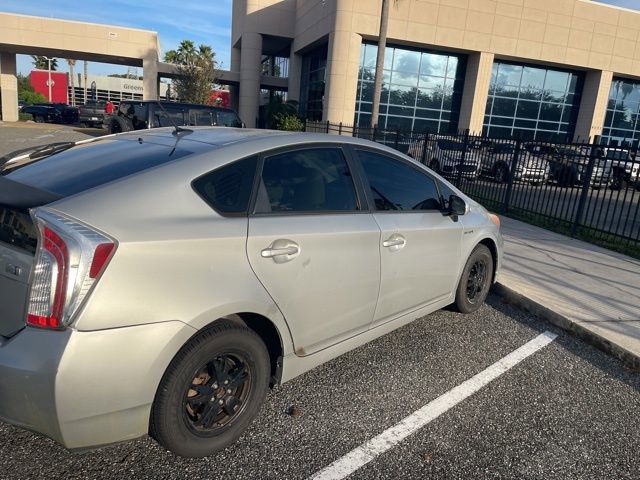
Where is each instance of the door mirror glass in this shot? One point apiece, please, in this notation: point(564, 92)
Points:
point(457, 206)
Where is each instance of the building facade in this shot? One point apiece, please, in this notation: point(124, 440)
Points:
point(540, 69)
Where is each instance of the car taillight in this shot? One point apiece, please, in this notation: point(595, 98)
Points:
point(70, 259)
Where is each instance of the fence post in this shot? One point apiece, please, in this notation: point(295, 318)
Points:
point(512, 169)
point(424, 148)
point(327, 127)
point(586, 182)
point(465, 146)
point(340, 129)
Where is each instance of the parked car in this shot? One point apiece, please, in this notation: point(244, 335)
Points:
point(51, 112)
point(92, 113)
point(497, 161)
point(444, 156)
point(162, 280)
point(135, 115)
point(569, 165)
point(625, 168)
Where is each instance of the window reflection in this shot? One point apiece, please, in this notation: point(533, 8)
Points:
point(421, 90)
point(532, 102)
point(623, 109)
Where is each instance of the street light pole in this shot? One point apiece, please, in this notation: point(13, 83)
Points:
point(49, 80)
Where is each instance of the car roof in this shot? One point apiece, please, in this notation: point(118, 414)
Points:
point(224, 136)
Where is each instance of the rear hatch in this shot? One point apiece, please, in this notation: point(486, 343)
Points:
point(18, 242)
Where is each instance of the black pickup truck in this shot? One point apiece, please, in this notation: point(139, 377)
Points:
point(51, 112)
point(136, 115)
point(92, 113)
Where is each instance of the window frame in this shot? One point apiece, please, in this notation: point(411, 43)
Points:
point(360, 196)
point(393, 157)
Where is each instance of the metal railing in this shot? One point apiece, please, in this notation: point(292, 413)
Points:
point(589, 191)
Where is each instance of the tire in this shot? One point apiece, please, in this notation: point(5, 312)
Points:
point(567, 177)
point(179, 419)
point(435, 165)
point(465, 303)
point(38, 119)
point(119, 125)
point(501, 173)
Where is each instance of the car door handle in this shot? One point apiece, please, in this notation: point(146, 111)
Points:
point(275, 252)
point(394, 242)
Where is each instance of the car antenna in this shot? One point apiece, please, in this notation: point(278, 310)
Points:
point(177, 130)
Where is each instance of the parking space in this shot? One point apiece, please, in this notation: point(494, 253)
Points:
point(566, 411)
point(23, 135)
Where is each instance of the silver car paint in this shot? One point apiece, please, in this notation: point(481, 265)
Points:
point(180, 266)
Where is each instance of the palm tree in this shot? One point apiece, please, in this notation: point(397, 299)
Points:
point(382, 44)
point(42, 63)
point(186, 53)
point(72, 82)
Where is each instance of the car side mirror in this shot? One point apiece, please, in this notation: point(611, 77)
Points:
point(457, 206)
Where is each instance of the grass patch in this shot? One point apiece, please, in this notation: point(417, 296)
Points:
point(605, 240)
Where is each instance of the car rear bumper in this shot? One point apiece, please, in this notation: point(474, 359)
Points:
point(86, 389)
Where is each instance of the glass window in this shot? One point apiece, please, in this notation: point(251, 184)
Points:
point(169, 116)
point(621, 121)
point(312, 82)
point(538, 103)
point(411, 78)
point(227, 118)
point(228, 189)
point(310, 180)
point(87, 166)
point(397, 186)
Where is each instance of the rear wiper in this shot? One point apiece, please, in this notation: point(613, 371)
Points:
point(29, 155)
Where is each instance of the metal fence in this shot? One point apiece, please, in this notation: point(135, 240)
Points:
point(590, 191)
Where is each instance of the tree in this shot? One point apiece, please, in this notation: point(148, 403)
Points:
point(41, 63)
point(382, 44)
point(72, 80)
point(281, 115)
point(196, 69)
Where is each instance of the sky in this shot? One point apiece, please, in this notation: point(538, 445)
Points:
point(203, 21)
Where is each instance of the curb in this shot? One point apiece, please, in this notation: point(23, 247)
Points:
point(628, 358)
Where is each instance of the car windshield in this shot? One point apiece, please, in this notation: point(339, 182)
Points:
point(450, 145)
point(88, 166)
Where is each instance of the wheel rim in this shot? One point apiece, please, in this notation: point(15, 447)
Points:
point(218, 394)
point(476, 281)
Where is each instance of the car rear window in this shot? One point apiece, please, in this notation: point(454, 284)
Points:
point(91, 165)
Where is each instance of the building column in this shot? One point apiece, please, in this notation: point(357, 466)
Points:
point(249, 97)
point(475, 92)
point(150, 79)
point(235, 67)
point(8, 87)
point(294, 76)
point(593, 105)
point(341, 83)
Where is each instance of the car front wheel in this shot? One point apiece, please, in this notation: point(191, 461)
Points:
point(211, 391)
point(475, 281)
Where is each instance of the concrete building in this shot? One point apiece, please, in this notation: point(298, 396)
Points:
point(544, 69)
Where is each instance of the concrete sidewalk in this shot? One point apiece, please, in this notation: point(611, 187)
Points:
point(589, 290)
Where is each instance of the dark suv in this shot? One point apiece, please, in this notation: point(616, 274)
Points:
point(135, 115)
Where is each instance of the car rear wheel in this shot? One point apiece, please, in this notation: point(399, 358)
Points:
point(475, 281)
point(119, 125)
point(501, 173)
point(38, 118)
point(212, 390)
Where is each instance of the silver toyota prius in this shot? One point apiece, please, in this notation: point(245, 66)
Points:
point(159, 282)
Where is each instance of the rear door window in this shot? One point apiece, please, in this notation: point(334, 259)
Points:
point(306, 180)
point(171, 115)
point(227, 119)
point(228, 188)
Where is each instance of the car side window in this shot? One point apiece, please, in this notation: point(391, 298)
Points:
point(397, 186)
point(228, 188)
point(309, 180)
point(168, 116)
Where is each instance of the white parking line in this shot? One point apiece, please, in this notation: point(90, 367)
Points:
point(366, 452)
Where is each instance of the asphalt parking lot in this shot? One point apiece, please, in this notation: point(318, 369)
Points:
point(14, 136)
point(566, 411)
